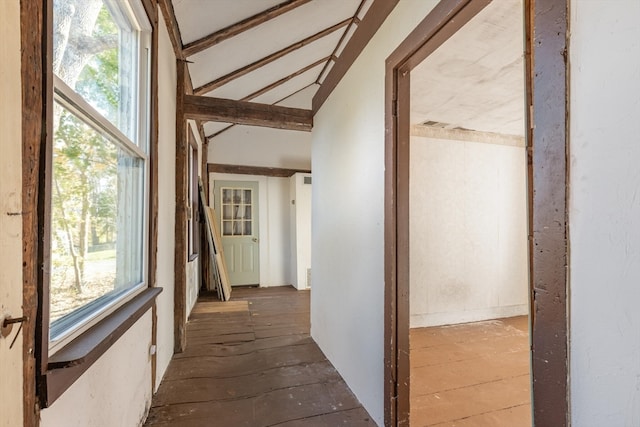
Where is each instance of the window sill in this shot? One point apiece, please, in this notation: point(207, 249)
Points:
point(66, 366)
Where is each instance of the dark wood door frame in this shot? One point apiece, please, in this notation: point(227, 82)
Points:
point(547, 100)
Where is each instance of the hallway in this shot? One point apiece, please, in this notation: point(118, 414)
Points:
point(251, 362)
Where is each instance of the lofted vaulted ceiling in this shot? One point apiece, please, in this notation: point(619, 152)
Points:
point(284, 53)
point(270, 52)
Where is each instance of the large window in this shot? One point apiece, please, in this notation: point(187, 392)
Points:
point(99, 180)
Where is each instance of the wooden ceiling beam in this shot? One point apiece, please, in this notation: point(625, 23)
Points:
point(213, 135)
point(240, 27)
point(208, 87)
point(247, 113)
point(253, 170)
point(166, 6)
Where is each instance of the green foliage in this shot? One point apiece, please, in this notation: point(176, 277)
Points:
point(84, 161)
point(98, 82)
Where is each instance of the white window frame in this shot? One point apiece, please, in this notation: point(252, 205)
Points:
point(76, 104)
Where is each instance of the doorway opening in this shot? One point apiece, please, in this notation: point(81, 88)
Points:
point(469, 335)
point(462, 166)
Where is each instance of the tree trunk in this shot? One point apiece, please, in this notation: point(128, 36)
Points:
point(69, 234)
point(76, 23)
point(84, 222)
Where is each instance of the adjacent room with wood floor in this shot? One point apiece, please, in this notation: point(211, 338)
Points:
point(469, 337)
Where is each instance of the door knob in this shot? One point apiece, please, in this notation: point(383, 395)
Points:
point(254, 240)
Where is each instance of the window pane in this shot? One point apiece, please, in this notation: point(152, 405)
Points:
point(227, 229)
point(94, 49)
point(226, 212)
point(226, 195)
point(96, 221)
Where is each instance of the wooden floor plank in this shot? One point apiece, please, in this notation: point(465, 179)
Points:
point(243, 364)
point(474, 374)
point(254, 367)
point(225, 350)
point(220, 307)
point(252, 385)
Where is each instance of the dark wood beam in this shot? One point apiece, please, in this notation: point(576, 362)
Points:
point(240, 27)
point(166, 7)
point(547, 24)
point(208, 87)
point(213, 135)
point(253, 170)
point(182, 173)
point(375, 16)
point(36, 94)
point(246, 113)
point(271, 86)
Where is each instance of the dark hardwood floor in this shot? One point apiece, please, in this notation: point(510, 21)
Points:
point(251, 362)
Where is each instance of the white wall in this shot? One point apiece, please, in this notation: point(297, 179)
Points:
point(604, 213)
point(274, 232)
point(114, 391)
point(259, 146)
point(10, 201)
point(347, 306)
point(468, 221)
point(300, 214)
point(167, 79)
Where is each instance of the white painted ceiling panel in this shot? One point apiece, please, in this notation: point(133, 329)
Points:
point(212, 127)
point(199, 18)
point(270, 37)
point(301, 99)
point(475, 80)
point(290, 87)
point(276, 70)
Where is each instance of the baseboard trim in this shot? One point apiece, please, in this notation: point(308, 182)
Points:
point(457, 317)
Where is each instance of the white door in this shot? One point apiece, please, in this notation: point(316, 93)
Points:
point(236, 206)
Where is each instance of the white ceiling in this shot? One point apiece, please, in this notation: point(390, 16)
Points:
point(199, 18)
point(475, 80)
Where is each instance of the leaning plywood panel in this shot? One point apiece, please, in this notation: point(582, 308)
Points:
point(210, 269)
point(217, 239)
point(215, 270)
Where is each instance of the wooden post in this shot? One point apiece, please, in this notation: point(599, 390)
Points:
point(182, 167)
point(37, 100)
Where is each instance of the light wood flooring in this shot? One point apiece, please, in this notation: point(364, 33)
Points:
point(471, 375)
point(251, 362)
